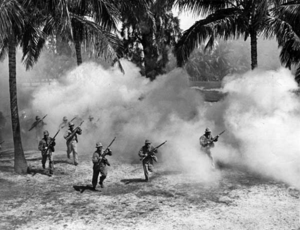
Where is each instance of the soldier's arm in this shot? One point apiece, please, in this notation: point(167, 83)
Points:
point(41, 146)
point(66, 136)
point(141, 153)
point(95, 158)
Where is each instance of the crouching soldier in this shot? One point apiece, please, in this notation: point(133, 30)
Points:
point(207, 142)
point(100, 163)
point(147, 156)
point(46, 146)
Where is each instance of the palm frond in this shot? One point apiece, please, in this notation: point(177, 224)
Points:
point(12, 17)
point(105, 42)
point(3, 49)
point(223, 24)
point(32, 44)
point(203, 7)
point(105, 13)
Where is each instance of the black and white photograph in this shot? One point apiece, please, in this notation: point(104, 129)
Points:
point(149, 114)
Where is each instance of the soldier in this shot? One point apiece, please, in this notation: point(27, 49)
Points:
point(64, 123)
point(46, 146)
point(100, 163)
point(207, 142)
point(72, 140)
point(39, 126)
point(147, 153)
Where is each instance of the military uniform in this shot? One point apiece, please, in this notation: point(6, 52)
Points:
point(64, 123)
point(39, 127)
point(207, 142)
point(47, 151)
point(72, 142)
point(147, 154)
point(100, 162)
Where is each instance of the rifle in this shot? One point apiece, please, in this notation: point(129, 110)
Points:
point(105, 153)
point(50, 143)
point(211, 141)
point(74, 131)
point(108, 147)
point(73, 118)
point(154, 150)
point(36, 122)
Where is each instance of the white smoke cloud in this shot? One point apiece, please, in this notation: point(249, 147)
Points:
point(133, 109)
point(261, 115)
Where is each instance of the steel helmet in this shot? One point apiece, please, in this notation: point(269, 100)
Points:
point(37, 118)
point(207, 130)
point(46, 133)
point(98, 144)
point(147, 142)
point(71, 124)
point(65, 118)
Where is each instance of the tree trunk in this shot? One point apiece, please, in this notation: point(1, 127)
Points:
point(253, 37)
point(20, 164)
point(78, 49)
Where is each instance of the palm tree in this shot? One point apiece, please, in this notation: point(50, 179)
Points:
point(226, 19)
point(16, 28)
point(284, 25)
point(148, 37)
point(88, 22)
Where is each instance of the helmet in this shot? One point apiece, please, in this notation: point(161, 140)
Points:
point(71, 124)
point(65, 118)
point(147, 142)
point(46, 133)
point(207, 130)
point(98, 144)
point(37, 118)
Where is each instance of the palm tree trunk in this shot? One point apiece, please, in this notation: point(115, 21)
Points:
point(78, 50)
point(253, 37)
point(20, 164)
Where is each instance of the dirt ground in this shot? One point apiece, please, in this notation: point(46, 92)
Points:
point(171, 200)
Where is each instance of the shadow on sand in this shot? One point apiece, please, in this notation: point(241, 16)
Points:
point(34, 171)
point(63, 162)
point(134, 180)
point(82, 188)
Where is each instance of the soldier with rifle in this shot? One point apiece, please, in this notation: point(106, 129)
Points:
point(46, 146)
point(39, 126)
point(147, 154)
point(100, 162)
point(207, 142)
point(72, 140)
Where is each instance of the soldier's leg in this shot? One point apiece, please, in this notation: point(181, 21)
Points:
point(103, 172)
point(150, 167)
point(75, 154)
point(51, 163)
point(208, 152)
point(146, 173)
point(44, 159)
point(69, 149)
point(95, 177)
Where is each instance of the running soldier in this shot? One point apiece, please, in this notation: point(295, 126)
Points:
point(72, 140)
point(39, 126)
point(147, 154)
point(46, 146)
point(100, 163)
point(64, 123)
point(207, 142)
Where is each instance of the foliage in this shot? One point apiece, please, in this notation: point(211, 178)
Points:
point(226, 19)
point(148, 39)
point(216, 63)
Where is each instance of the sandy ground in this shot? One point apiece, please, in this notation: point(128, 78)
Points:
point(171, 200)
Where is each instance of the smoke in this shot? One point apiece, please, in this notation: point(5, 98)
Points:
point(133, 109)
point(261, 116)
